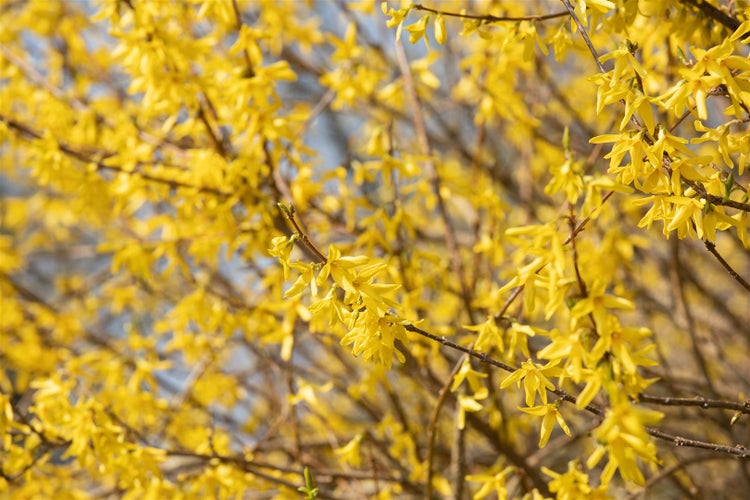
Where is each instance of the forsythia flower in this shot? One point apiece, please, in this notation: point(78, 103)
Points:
point(574, 484)
point(624, 437)
point(550, 414)
point(349, 454)
point(534, 380)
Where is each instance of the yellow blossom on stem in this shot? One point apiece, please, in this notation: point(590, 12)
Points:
point(550, 414)
point(534, 379)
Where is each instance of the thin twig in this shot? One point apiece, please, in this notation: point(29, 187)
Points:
point(665, 473)
point(572, 223)
point(698, 401)
point(711, 247)
point(288, 212)
point(633, 119)
point(29, 134)
point(212, 135)
point(249, 69)
point(739, 451)
point(458, 455)
point(77, 103)
point(683, 311)
point(484, 358)
point(488, 18)
point(433, 176)
point(718, 200)
point(432, 427)
point(579, 278)
point(584, 34)
point(581, 225)
point(37, 78)
point(513, 296)
point(716, 14)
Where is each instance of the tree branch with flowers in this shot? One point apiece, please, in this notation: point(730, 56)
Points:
point(374, 249)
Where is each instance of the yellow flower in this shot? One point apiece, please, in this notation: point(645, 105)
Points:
point(466, 372)
point(624, 437)
point(349, 454)
point(550, 415)
point(492, 483)
point(534, 380)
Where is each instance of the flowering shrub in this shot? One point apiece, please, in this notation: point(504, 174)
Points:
point(364, 250)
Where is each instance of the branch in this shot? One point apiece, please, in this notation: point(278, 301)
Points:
point(488, 18)
point(581, 284)
point(433, 176)
point(667, 159)
point(29, 134)
point(499, 364)
point(238, 461)
point(717, 15)
point(249, 69)
point(584, 34)
point(288, 211)
point(682, 310)
point(718, 200)
point(216, 142)
point(78, 104)
point(432, 428)
point(668, 471)
point(711, 247)
point(738, 450)
point(580, 227)
point(701, 190)
point(697, 401)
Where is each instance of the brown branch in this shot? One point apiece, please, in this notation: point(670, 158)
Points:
point(488, 18)
point(29, 134)
point(581, 225)
point(104, 343)
point(434, 177)
point(718, 200)
point(432, 427)
point(697, 401)
point(711, 247)
point(255, 466)
point(513, 296)
point(288, 211)
point(78, 104)
point(572, 237)
point(716, 14)
point(237, 461)
point(293, 417)
point(484, 358)
point(458, 456)
point(584, 34)
point(713, 199)
point(216, 142)
point(682, 310)
point(669, 471)
point(739, 450)
point(37, 78)
point(579, 278)
point(249, 69)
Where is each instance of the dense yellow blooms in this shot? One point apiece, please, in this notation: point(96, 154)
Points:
point(373, 250)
